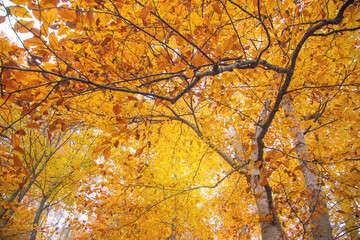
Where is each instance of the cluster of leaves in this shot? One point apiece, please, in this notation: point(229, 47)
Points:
point(192, 112)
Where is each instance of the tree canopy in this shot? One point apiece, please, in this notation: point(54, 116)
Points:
point(196, 119)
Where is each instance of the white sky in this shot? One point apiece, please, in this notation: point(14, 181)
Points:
point(6, 26)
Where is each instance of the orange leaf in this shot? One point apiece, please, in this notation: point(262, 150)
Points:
point(22, 26)
point(269, 218)
point(52, 127)
point(67, 14)
point(20, 132)
point(90, 18)
point(49, 134)
point(33, 126)
point(19, 149)
point(53, 40)
point(17, 161)
point(15, 141)
point(189, 73)
point(216, 8)
point(2, 19)
point(116, 109)
point(298, 168)
point(63, 126)
point(138, 152)
point(107, 153)
point(144, 13)
point(259, 195)
point(32, 42)
point(263, 181)
point(99, 148)
point(132, 98)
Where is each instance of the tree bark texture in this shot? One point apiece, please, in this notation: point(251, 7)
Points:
point(271, 228)
point(319, 215)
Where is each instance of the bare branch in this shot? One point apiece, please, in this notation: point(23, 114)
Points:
point(336, 31)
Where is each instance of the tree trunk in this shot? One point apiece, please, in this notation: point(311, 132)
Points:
point(271, 228)
point(319, 221)
point(37, 217)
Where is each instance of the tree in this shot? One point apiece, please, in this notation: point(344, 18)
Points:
point(214, 105)
point(38, 169)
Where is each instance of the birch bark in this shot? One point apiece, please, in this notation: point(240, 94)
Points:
point(319, 216)
point(271, 228)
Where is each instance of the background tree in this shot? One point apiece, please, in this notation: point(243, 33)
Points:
point(39, 164)
point(227, 107)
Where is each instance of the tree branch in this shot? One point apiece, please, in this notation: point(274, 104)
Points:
point(335, 31)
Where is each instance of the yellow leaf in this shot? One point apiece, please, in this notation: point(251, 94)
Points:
point(228, 44)
point(19, 11)
point(53, 40)
point(20, 2)
point(196, 19)
point(189, 73)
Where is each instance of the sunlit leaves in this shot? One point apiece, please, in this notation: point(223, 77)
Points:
point(19, 11)
point(114, 70)
point(23, 26)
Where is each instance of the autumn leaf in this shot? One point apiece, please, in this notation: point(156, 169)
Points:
point(107, 152)
point(216, 91)
point(20, 132)
point(2, 19)
point(144, 13)
point(23, 26)
point(15, 141)
point(67, 14)
point(53, 40)
point(139, 151)
point(116, 109)
point(33, 126)
point(32, 42)
point(19, 150)
point(17, 162)
point(19, 11)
